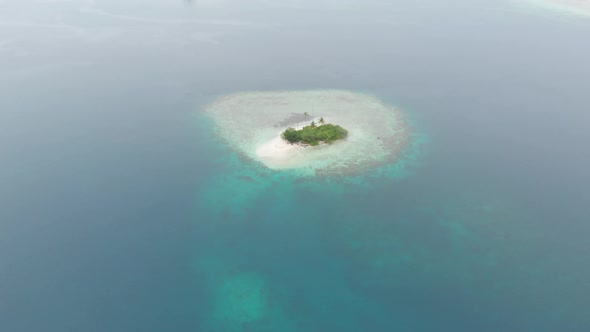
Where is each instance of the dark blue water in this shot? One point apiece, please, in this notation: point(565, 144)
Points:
point(120, 210)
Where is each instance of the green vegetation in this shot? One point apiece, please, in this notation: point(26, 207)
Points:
point(314, 134)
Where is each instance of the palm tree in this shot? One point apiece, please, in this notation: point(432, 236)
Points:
point(313, 124)
point(321, 120)
point(306, 114)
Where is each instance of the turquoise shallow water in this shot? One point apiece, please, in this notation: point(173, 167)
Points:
point(122, 211)
point(374, 252)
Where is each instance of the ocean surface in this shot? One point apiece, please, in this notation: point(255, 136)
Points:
point(120, 210)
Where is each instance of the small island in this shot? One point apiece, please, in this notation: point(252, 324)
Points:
point(347, 133)
point(314, 135)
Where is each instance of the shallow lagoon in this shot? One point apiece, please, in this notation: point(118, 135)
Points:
point(122, 211)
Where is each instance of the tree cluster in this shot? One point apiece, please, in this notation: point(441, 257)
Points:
point(314, 134)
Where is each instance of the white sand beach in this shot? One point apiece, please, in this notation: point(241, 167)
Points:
point(279, 154)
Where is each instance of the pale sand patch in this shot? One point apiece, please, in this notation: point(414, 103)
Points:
point(576, 7)
point(278, 154)
point(583, 5)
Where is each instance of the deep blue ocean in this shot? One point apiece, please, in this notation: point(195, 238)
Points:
point(120, 210)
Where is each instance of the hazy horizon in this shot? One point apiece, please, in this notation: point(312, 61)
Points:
point(121, 210)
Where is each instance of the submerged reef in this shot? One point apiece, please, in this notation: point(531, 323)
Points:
point(253, 125)
point(240, 299)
